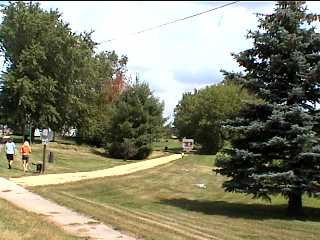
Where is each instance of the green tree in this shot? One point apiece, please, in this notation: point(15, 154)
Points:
point(168, 131)
point(275, 149)
point(232, 77)
point(183, 115)
point(109, 72)
point(199, 115)
point(135, 123)
point(49, 74)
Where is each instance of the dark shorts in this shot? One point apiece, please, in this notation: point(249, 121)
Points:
point(10, 157)
point(25, 158)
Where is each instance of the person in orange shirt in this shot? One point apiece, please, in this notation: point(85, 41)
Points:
point(25, 150)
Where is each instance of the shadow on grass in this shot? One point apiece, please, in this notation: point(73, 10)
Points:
point(66, 142)
point(106, 155)
point(21, 173)
point(96, 152)
point(173, 150)
point(241, 210)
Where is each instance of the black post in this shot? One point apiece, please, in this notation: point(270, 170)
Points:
point(44, 158)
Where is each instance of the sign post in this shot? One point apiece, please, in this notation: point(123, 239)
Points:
point(44, 158)
point(45, 140)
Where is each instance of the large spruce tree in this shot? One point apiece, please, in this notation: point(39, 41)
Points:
point(275, 149)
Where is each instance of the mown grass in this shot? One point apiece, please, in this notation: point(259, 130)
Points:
point(67, 158)
point(16, 224)
point(70, 157)
point(173, 145)
point(164, 203)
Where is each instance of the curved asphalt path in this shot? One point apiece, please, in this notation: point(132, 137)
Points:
point(49, 179)
point(72, 222)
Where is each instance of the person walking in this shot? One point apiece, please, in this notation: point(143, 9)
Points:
point(25, 150)
point(10, 148)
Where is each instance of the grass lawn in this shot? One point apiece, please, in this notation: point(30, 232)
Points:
point(69, 157)
point(18, 224)
point(174, 145)
point(164, 203)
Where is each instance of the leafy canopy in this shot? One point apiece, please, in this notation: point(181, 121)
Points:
point(198, 115)
point(49, 77)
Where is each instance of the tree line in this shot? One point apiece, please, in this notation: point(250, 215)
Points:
point(55, 78)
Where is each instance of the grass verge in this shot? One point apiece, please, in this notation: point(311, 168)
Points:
point(166, 203)
point(16, 224)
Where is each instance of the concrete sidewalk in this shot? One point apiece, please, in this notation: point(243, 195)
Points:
point(49, 179)
point(72, 222)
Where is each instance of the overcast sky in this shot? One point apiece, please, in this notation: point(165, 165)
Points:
point(178, 57)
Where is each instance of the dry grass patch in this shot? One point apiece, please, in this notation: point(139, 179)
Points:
point(16, 224)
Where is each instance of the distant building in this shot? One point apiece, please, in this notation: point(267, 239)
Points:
point(37, 132)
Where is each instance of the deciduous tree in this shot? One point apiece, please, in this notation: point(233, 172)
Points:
point(49, 75)
point(198, 115)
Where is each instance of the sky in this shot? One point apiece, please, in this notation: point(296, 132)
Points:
point(176, 58)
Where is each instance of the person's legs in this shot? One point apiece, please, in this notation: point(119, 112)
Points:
point(24, 165)
point(27, 161)
point(10, 160)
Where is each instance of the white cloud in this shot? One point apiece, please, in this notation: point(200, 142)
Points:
point(196, 45)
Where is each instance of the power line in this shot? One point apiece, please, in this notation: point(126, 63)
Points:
point(174, 21)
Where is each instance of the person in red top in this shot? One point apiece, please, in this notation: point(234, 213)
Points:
point(25, 150)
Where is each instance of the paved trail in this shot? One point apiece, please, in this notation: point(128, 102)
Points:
point(49, 179)
point(72, 222)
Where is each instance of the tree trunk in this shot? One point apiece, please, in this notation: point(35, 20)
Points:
point(32, 134)
point(23, 129)
point(295, 204)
